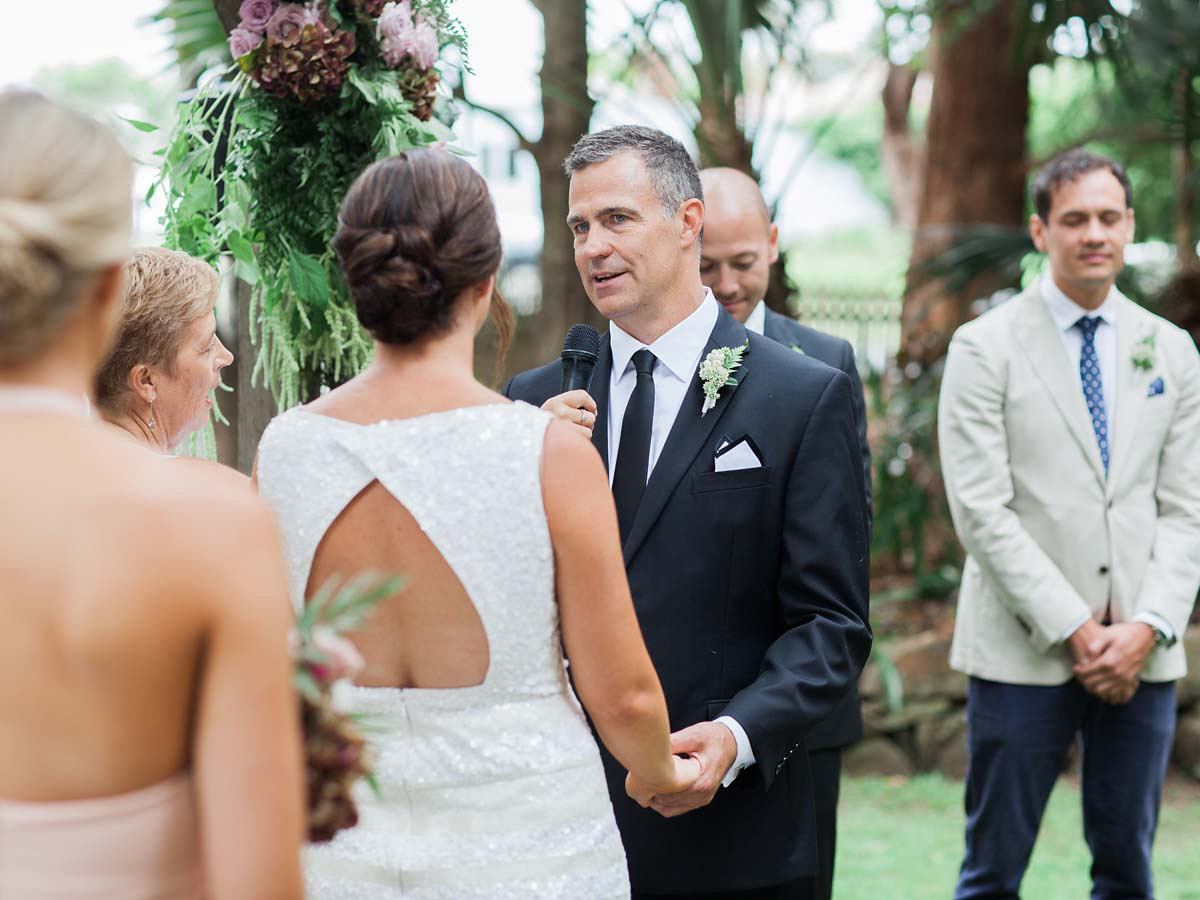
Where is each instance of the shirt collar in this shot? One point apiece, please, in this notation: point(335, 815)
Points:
point(1066, 312)
point(757, 320)
point(679, 349)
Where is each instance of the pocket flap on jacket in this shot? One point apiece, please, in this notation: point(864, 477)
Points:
point(733, 480)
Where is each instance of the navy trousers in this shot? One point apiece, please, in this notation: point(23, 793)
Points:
point(1018, 737)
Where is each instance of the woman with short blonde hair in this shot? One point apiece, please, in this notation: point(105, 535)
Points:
point(158, 381)
point(149, 742)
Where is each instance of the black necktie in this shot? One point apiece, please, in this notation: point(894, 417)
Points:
point(633, 452)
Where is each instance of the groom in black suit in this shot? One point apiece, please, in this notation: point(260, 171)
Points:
point(739, 494)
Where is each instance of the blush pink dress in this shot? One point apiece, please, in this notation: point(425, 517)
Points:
point(142, 845)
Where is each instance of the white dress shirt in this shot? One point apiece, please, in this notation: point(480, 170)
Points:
point(757, 320)
point(1065, 312)
point(678, 353)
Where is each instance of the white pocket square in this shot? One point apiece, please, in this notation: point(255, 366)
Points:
point(738, 456)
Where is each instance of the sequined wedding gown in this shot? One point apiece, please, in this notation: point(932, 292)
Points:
point(494, 791)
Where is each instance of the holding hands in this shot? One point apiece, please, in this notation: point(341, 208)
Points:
point(1109, 658)
point(711, 750)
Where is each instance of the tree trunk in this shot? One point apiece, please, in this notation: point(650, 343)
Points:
point(1185, 178)
point(227, 12)
point(900, 153)
point(974, 170)
point(255, 405)
point(566, 114)
point(719, 135)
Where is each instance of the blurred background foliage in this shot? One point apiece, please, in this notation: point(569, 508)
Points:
point(941, 114)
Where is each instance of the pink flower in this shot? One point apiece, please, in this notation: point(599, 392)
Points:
point(424, 46)
point(395, 21)
point(243, 41)
point(255, 14)
point(312, 14)
point(394, 31)
point(341, 657)
point(286, 24)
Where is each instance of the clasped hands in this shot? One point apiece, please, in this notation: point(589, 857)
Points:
point(711, 750)
point(1109, 658)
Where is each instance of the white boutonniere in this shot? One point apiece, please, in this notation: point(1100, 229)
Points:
point(1143, 354)
point(716, 373)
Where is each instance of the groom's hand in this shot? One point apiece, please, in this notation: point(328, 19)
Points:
point(576, 407)
point(713, 746)
point(1116, 662)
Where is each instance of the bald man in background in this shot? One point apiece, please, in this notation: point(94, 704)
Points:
point(740, 244)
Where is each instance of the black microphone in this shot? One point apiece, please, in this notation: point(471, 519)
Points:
point(580, 352)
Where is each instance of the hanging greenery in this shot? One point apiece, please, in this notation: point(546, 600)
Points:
point(262, 156)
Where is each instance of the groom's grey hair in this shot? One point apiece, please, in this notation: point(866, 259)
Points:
point(672, 172)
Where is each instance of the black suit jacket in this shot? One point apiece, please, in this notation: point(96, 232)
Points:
point(751, 591)
point(844, 727)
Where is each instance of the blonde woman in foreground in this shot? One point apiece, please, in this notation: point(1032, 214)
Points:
point(149, 743)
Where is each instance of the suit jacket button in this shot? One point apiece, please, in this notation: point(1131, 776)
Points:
point(1104, 570)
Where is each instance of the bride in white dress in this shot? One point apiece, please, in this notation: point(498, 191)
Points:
point(490, 783)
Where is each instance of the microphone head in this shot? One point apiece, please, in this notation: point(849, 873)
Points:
point(582, 339)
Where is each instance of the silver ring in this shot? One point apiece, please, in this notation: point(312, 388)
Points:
point(583, 417)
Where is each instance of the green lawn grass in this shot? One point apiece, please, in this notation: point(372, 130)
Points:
point(902, 839)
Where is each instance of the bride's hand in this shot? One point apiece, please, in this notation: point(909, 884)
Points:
point(685, 772)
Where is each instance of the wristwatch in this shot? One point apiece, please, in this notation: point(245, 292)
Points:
point(1161, 638)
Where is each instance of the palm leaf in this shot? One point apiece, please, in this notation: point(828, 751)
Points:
point(197, 37)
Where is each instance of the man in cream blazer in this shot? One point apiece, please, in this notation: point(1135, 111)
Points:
point(1069, 426)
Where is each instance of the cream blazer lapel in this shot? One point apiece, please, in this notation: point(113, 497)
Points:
point(1039, 341)
point(1132, 383)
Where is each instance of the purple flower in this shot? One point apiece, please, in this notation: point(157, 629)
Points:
point(286, 24)
point(255, 14)
point(243, 41)
point(424, 46)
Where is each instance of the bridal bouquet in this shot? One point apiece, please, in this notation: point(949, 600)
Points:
point(334, 749)
point(261, 158)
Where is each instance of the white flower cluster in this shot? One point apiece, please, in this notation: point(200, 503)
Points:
point(713, 369)
point(715, 373)
point(1143, 355)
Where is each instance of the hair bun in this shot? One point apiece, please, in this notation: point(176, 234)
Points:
point(415, 231)
point(65, 214)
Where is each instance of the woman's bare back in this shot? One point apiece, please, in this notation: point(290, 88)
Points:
point(106, 563)
point(429, 635)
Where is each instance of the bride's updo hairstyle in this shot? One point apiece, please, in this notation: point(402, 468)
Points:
point(415, 231)
point(65, 216)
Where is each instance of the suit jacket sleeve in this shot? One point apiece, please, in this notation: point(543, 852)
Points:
point(975, 467)
point(850, 367)
point(822, 589)
point(1173, 573)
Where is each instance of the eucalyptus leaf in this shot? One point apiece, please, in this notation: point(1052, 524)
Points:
point(146, 127)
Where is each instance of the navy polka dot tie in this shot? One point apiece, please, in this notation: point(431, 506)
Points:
point(1093, 387)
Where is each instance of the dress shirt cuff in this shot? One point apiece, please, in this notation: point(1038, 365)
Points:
point(1158, 623)
point(745, 754)
point(1074, 627)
